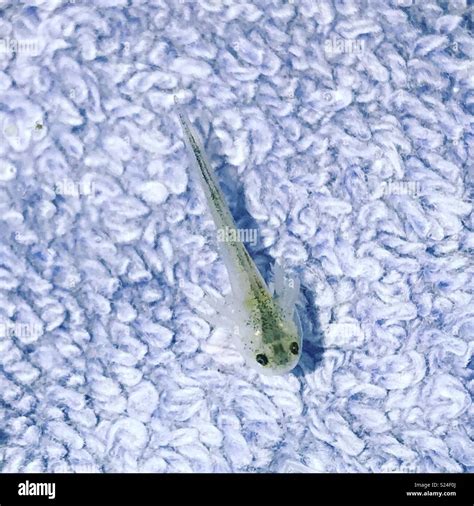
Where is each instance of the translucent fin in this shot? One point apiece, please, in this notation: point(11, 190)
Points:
point(286, 289)
point(220, 310)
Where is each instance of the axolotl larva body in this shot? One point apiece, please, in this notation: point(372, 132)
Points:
point(268, 331)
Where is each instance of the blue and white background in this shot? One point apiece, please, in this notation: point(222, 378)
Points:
point(340, 130)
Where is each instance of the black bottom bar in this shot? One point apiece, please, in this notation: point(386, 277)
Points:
point(237, 489)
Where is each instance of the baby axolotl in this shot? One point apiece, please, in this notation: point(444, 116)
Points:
point(267, 328)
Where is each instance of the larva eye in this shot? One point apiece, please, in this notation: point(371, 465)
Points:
point(262, 359)
point(294, 348)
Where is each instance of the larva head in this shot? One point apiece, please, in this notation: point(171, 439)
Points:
point(275, 343)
